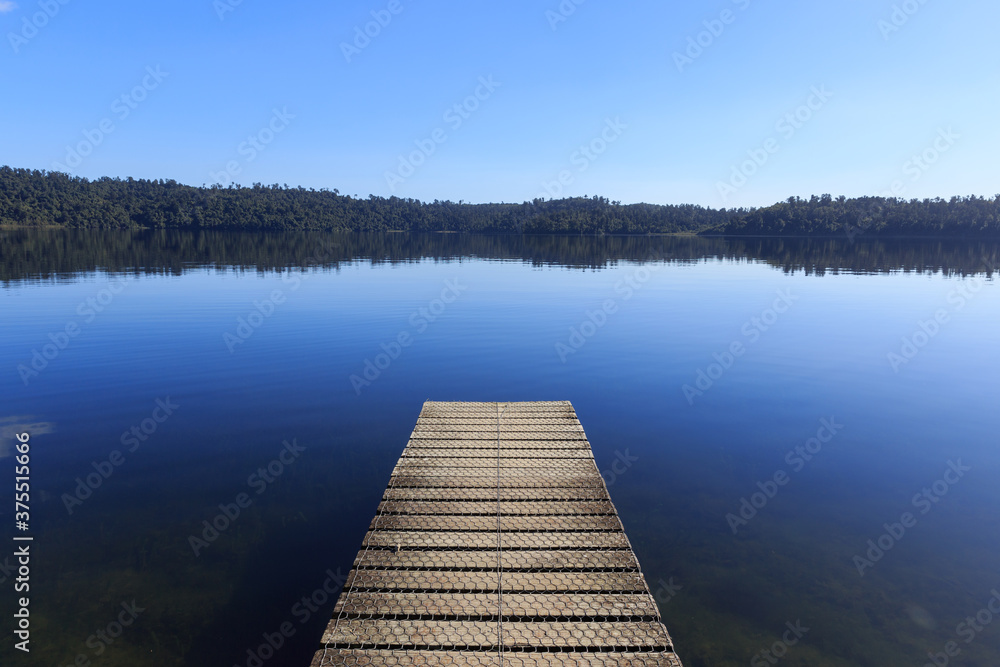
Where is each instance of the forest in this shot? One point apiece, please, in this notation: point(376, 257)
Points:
point(32, 198)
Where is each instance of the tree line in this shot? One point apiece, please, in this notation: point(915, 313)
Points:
point(872, 216)
point(33, 198)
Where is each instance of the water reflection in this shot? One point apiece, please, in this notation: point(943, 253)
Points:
point(28, 254)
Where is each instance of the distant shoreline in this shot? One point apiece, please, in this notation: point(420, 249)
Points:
point(692, 235)
point(31, 198)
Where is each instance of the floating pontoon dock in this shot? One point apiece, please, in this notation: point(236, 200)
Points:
point(496, 543)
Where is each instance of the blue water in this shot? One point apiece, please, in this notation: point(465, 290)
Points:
point(516, 328)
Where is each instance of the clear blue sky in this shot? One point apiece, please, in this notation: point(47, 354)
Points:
point(609, 68)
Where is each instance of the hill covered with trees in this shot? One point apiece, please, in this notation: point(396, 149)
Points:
point(33, 198)
point(872, 216)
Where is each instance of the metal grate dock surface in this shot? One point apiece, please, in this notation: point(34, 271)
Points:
point(496, 543)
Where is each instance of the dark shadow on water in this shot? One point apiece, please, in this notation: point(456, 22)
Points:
point(44, 254)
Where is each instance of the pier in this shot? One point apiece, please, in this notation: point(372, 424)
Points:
point(496, 543)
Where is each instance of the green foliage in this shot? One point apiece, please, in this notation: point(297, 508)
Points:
point(869, 216)
point(39, 198)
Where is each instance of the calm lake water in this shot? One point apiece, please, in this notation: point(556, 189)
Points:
point(851, 387)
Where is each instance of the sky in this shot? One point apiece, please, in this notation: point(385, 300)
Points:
point(722, 103)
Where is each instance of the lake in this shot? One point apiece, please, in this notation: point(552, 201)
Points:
point(795, 432)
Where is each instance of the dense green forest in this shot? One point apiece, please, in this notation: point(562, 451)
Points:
point(38, 198)
point(874, 216)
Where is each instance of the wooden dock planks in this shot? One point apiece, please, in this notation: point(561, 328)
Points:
point(496, 543)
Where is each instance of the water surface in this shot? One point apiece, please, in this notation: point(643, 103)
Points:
point(618, 326)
